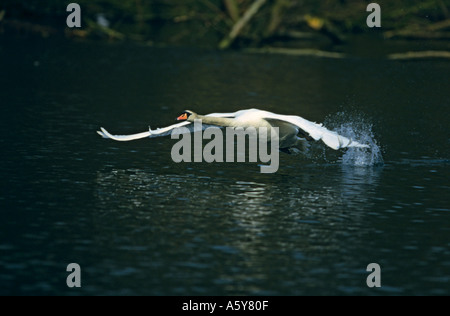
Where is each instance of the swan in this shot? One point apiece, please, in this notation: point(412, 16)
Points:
point(293, 130)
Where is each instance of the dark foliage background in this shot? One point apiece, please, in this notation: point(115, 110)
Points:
point(207, 22)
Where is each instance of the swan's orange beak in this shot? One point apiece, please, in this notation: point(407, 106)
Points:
point(182, 117)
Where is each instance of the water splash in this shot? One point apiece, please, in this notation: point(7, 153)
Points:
point(358, 128)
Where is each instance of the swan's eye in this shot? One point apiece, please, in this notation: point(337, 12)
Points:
point(182, 117)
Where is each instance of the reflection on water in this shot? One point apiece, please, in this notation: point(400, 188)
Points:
point(146, 188)
point(360, 183)
point(257, 227)
point(138, 223)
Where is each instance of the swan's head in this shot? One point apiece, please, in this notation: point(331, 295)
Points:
point(187, 116)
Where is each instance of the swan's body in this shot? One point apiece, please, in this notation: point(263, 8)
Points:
point(290, 128)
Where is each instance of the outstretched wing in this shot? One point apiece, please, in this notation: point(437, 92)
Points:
point(164, 131)
point(176, 129)
point(231, 114)
point(315, 131)
point(122, 138)
point(150, 133)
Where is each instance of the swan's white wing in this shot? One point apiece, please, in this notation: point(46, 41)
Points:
point(150, 133)
point(180, 128)
point(231, 114)
point(164, 131)
point(316, 131)
point(122, 138)
point(237, 113)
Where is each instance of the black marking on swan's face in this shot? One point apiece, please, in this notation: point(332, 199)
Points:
point(184, 116)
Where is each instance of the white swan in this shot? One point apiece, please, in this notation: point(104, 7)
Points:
point(293, 130)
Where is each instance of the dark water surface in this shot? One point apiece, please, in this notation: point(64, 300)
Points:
point(138, 223)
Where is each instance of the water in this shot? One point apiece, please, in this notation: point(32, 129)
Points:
point(139, 224)
point(357, 128)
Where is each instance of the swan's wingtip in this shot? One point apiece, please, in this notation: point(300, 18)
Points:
point(102, 134)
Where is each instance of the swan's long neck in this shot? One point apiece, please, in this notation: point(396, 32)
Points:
point(218, 121)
